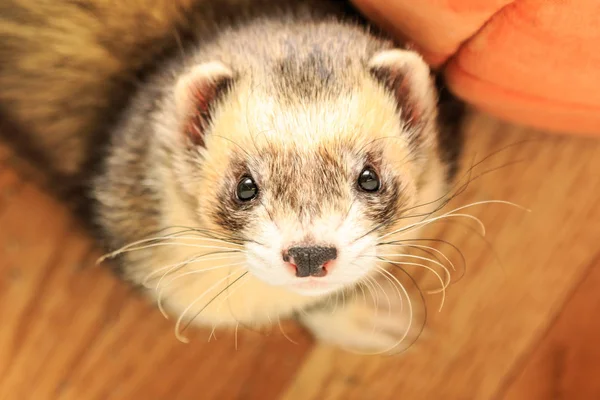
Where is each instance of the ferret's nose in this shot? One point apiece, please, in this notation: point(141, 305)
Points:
point(310, 261)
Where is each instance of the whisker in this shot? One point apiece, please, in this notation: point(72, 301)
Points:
point(387, 298)
point(180, 230)
point(229, 295)
point(425, 312)
point(443, 284)
point(362, 288)
point(196, 246)
point(477, 203)
point(212, 333)
point(185, 311)
point(453, 213)
point(160, 289)
point(460, 253)
point(379, 268)
point(177, 36)
point(283, 331)
point(446, 198)
point(328, 303)
point(173, 235)
point(171, 267)
point(448, 276)
point(372, 290)
point(305, 313)
point(490, 155)
point(406, 243)
point(336, 303)
point(428, 250)
point(352, 203)
point(199, 271)
point(270, 324)
point(411, 227)
point(389, 302)
point(187, 325)
point(410, 313)
point(419, 258)
point(488, 244)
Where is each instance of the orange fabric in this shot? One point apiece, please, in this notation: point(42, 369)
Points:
point(535, 62)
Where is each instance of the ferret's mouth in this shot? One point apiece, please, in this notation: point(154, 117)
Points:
point(314, 286)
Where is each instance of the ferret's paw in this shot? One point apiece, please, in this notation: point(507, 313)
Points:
point(365, 327)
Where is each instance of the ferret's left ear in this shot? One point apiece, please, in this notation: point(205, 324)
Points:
point(196, 94)
point(406, 75)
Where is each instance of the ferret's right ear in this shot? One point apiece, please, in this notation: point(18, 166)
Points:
point(406, 75)
point(196, 94)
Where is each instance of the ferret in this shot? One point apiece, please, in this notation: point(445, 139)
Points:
point(244, 161)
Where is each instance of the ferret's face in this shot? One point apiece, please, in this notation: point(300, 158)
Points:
point(309, 187)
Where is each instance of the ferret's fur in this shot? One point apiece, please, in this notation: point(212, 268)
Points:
point(158, 108)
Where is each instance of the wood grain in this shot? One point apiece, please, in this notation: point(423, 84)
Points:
point(566, 364)
point(70, 330)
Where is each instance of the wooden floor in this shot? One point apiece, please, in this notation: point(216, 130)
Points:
point(523, 323)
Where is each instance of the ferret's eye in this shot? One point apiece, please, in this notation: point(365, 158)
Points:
point(368, 180)
point(246, 189)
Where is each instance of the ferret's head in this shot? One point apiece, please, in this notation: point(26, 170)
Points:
point(307, 162)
